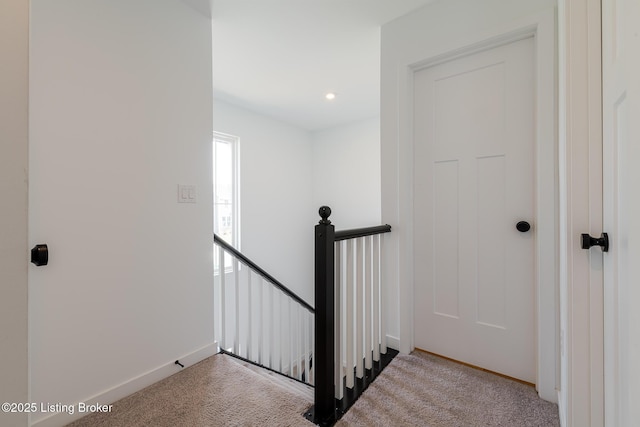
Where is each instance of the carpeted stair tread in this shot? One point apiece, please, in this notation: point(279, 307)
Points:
point(289, 384)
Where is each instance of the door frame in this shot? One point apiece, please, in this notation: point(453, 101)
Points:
point(542, 27)
point(14, 187)
point(581, 387)
point(620, 104)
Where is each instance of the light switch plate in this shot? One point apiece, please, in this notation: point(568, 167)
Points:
point(186, 193)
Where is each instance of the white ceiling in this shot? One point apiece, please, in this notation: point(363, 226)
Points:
point(280, 57)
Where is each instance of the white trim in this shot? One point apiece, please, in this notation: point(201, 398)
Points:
point(393, 342)
point(477, 47)
point(580, 149)
point(129, 387)
point(621, 105)
point(542, 26)
point(17, 237)
point(547, 208)
point(234, 142)
point(562, 410)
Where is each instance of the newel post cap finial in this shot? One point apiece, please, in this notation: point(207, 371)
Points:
point(325, 212)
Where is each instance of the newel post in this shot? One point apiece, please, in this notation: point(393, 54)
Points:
point(325, 406)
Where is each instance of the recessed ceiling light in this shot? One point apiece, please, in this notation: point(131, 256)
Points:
point(330, 96)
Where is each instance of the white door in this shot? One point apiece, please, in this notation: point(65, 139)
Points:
point(473, 182)
point(621, 175)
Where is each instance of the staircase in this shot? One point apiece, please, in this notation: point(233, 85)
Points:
point(279, 381)
point(336, 348)
point(258, 319)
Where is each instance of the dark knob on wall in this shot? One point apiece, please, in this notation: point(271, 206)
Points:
point(40, 255)
point(602, 241)
point(523, 226)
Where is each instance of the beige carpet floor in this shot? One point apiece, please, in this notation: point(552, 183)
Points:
point(414, 390)
point(218, 391)
point(425, 390)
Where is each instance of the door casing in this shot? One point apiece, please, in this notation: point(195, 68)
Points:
point(581, 387)
point(620, 106)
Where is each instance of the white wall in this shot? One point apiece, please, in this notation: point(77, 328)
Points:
point(277, 215)
point(434, 30)
point(121, 112)
point(346, 173)
point(14, 50)
point(286, 174)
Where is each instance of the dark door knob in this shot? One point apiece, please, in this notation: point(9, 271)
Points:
point(40, 255)
point(602, 241)
point(523, 226)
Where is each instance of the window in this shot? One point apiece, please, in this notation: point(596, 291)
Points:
point(226, 207)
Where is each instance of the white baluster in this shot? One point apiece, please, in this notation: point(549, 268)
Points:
point(249, 316)
point(270, 332)
point(291, 328)
point(300, 328)
point(312, 344)
point(359, 309)
point(338, 324)
point(307, 352)
point(297, 327)
point(368, 351)
point(286, 328)
point(236, 279)
point(350, 309)
point(303, 344)
point(383, 320)
point(216, 299)
point(261, 322)
point(376, 297)
point(223, 300)
point(276, 342)
point(301, 335)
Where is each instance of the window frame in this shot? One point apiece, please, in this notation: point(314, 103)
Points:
point(234, 142)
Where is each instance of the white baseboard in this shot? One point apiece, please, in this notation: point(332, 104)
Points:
point(562, 410)
point(393, 342)
point(129, 387)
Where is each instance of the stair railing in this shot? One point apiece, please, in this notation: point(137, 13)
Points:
point(258, 319)
point(350, 340)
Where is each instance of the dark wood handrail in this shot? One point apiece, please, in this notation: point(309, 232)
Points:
point(362, 232)
point(255, 267)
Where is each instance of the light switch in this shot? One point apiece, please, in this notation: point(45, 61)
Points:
point(186, 193)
